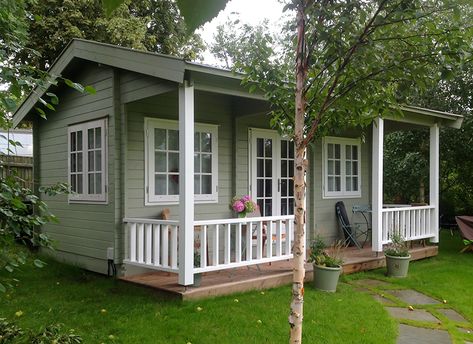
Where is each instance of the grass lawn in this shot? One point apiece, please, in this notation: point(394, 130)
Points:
point(75, 298)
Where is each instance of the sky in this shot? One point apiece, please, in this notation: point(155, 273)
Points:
point(250, 11)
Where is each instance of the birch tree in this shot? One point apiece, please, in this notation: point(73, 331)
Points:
point(353, 61)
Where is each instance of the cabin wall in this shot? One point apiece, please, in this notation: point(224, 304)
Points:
point(84, 231)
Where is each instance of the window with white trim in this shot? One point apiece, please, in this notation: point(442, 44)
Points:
point(341, 167)
point(162, 161)
point(87, 161)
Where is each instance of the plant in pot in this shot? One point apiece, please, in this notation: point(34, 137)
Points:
point(197, 276)
point(397, 256)
point(327, 264)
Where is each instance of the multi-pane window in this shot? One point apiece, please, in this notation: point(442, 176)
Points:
point(87, 161)
point(287, 177)
point(341, 167)
point(264, 175)
point(162, 161)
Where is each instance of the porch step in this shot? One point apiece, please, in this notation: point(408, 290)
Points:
point(263, 277)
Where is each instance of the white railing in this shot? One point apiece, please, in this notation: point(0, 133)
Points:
point(218, 244)
point(413, 223)
point(230, 243)
point(151, 243)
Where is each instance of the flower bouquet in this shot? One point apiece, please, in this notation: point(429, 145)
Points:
point(242, 205)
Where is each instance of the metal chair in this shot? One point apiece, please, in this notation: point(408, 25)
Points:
point(350, 232)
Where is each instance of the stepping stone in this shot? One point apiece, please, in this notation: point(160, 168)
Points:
point(452, 315)
point(417, 335)
point(372, 283)
point(416, 314)
point(413, 297)
point(383, 300)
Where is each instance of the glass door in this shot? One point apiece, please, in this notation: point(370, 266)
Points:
point(272, 172)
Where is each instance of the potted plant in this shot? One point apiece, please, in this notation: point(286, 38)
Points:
point(197, 276)
point(242, 205)
point(327, 264)
point(397, 256)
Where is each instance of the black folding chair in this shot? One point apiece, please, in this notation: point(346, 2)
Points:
point(350, 232)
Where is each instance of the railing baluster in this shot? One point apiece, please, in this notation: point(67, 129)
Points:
point(141, 242)
point(269, 239)
point(149, 243)
point(203, 247)
point(238, 243)
point(165, 245)
point(278, 238)
point(227, 245)
point(215, 247)
point(289, 236)
point(133, 242)
point(259, 240)
point(174, 231)
point(249, 241)
point(156, 245)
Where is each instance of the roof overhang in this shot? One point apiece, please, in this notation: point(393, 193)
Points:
point(427, 117)
point(161, 66)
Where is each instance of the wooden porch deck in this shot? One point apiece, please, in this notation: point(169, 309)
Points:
point(264, 276)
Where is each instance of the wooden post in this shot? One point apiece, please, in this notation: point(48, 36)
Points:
point(434, 180)
point(186, 184)
point(377, 184)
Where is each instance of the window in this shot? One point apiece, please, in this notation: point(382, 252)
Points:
point(87, 161)
point(162, 161)
point(341, 168)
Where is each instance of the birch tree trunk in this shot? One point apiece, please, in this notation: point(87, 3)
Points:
point(296, 315)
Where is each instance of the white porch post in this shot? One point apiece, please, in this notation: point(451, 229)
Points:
point(434, 180)
point(377, 184)
point(186, 184)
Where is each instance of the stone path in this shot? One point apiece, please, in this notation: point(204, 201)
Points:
point(418, 315)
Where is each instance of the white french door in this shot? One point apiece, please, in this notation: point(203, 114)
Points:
point(272, 171)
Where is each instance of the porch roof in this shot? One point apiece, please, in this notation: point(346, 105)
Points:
point(177, 70)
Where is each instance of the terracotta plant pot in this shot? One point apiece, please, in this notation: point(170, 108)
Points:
point(397, 266)
point(326, 278)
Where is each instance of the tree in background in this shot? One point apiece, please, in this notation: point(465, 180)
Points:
point(452, 94)
point(354, 61)
point(153, 25)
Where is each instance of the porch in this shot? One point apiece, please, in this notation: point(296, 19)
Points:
point(262, 276)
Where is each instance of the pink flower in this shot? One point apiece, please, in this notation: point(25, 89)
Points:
point(238, 206)
point(246, 198)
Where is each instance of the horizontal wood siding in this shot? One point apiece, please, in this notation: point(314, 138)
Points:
point(84, 231)
point(209, 108)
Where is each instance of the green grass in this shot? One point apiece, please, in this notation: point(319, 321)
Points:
point(68, 295)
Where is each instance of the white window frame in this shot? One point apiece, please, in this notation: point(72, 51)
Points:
point(343, 142)
point(149, 126)
point(85, 197)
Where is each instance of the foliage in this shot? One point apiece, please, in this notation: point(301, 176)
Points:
point(9, 331)
point(398, 246)
point(406, 166)
point(54, 334)
point(21, 214)
point(195, 12)
point(153, 25)
point(12, 333)
point(319, 255)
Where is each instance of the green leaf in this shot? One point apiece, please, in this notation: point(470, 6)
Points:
point(41, 112)
point(74, 85)
point(8, 268)
point(53, 97)
point(198, 12)
point(2, 288)
point(9, 103)
point(39, 263)
point(90, 89)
